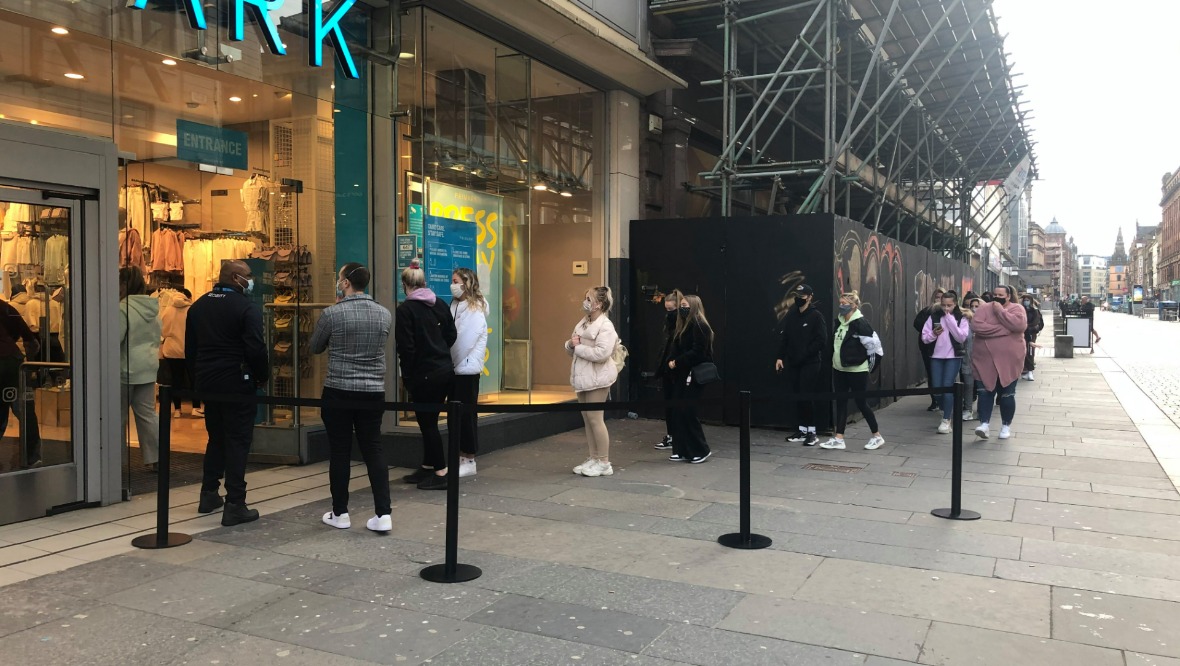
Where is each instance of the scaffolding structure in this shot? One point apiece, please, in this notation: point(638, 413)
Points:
point(898, 113)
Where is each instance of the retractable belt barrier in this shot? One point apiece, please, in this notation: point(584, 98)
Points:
point(451, 571)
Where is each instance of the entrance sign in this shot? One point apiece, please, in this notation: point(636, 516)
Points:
point(320, 27)
point(217, 146)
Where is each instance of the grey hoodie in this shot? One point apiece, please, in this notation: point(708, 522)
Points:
point(139, 331)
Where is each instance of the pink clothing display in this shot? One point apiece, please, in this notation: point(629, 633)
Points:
point(998, 351)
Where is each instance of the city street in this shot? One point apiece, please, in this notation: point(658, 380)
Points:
point(1146, 350)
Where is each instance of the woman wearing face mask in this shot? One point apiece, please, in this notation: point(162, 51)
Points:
point(469, 309)
point(854, 344)
point(671, 318)
point(592, 373)
point(998, 358)
point(800, 354)
point(692, 345)
point(425, 332)
point(947, 330)
point(1032, 312)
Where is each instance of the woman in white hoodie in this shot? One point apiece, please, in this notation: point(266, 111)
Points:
point(469, 308)
point(592, 373)
point(139, 324)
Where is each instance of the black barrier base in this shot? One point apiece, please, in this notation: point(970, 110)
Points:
point(437, 573)
point(950, 514)
point(744, 541)
point(152, 541)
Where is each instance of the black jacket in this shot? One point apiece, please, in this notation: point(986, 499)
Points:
point(691, 348)
point(424, 335)
point(223, 343)
point(852, 351)
point(1036, 323)
point(920, 321)
point(804, 337)
point(666, 350)
point(960, 348)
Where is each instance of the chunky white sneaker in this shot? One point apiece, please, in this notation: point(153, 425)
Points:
point(983, 431)
point(968, 416)
point(832, 443)
point(380, 523)
point(1030, 377)
point(1005, 432)
point(598, 468)
point(341, 522)
point(875, 442)
point(467, 468)
point(579, 468)
point(944, 426)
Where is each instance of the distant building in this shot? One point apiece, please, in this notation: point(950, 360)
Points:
point(1141, 264)
point(1060, 260)
point(1116, 283)
point(1092, 276)
point(1168, 265)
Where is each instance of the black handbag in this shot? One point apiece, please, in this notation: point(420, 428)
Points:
point(705, 373)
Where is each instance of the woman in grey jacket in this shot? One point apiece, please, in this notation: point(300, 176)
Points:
point(469, 308)
point(139, 328)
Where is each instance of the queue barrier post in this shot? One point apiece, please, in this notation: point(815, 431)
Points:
point(163, 538)
point(957, 512)
point(451, 571)
point(743, 539)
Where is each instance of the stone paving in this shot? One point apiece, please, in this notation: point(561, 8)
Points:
point(1075, 560)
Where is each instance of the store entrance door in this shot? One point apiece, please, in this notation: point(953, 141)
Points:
point(42, 461)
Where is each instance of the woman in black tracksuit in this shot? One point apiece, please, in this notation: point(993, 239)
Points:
point(425, 331)
point(692, 344)
point(801, 351)
point(673, 303)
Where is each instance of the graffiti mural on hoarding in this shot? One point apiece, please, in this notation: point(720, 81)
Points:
point(875, 272)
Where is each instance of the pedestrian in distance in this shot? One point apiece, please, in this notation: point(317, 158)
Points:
point(927, 350)
point(592, 373)
point(998, 359)
point(1088, 310)
point(1036, 322)
point(966, 372)
point(226, 355)
point(425, 333)
point(139, 362)
point(470, 310)
point(692, 345)
point(855, 351)
point(674, 302)
point(800, 357)
point(354, 332)
point(948, 331)
point(172, 324)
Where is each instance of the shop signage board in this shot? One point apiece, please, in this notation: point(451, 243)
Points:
point(484, 213)
point(450, 244)
point(320, 27)
point(407, 251)
point(216, 146)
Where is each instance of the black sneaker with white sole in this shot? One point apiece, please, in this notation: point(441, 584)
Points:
point(700, 459)
point(665, 443)
point(812, 439)
point(676, 457)
point(797, 436)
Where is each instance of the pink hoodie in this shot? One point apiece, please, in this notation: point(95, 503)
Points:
point(423, 294)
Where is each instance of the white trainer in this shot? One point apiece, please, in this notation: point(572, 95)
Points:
point(944, 426)
point(341, 522)
point(176, 413)
point(579, 468)
point(380, 523)
point(1030, 377)
point(968, 416)
point(983, 431)
point(598, 468)
point(875, 442)
point(467, 468)
point(832, 443)
point(1005, 432)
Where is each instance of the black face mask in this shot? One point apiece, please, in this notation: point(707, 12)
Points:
point(683, 312)
point(1000, 299)
point(801, 303)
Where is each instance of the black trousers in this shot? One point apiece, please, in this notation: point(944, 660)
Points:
point(9, 400)
point(666, 378)
point(852, 381)
point(231, 432)
point(688, 438)
point(927, 354)
point(432, 389)
point(178, 378)
point(340, 425)
point(1030, 363)
point(466, 390)
point(805, 379)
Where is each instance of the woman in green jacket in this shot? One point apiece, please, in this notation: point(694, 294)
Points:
point(856, 347)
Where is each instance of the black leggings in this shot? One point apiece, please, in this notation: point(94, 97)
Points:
point(852, 381)
point(467, 392)
point(431, 390)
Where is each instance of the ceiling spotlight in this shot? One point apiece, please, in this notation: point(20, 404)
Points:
point(169, 61)
point(405, 55)
point(34, 122)
point(540, 186)
point(333, 86)
point(565, 192)
point(59, 30)
point(235, 98)
point(74, 75)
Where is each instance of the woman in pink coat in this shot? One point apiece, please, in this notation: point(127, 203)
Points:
point(998, 358)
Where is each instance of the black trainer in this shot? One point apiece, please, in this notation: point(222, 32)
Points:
point(811, 440)
point(236, 514)
point(665, 443)
point(700, 459)
point(418, 476)
point(433, 482)
point(933, 407)
point(797, 436)
point(210, 501)
point(676, 457)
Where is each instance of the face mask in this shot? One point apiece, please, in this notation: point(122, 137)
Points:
point(586, 306)
point(249, 286)
point(1027, 302)
point(800, 303)
point(339, 290)
point(456, 290)
point(845, 309)
point(1000, 299)
point(683, 312)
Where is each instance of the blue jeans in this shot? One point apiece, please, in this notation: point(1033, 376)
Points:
point(944, 372)
point(987, 401)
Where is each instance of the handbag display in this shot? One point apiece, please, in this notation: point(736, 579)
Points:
point(705, 373)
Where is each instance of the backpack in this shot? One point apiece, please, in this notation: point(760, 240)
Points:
point(619, 356)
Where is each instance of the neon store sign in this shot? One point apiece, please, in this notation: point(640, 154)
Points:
point(320, 27)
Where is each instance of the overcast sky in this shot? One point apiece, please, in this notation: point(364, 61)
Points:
point(1104, 86)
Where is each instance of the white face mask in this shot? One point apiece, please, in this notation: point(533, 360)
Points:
point(457, 290)
point(586, 306)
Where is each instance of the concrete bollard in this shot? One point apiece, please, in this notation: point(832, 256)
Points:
point(1063, 346)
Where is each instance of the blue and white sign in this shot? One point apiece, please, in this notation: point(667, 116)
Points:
point(449, 244)
point(217, 146)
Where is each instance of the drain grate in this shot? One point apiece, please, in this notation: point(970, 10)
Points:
point(908, 475)
point(818, 467)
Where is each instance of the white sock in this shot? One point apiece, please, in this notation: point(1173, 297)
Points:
point(811, 429)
